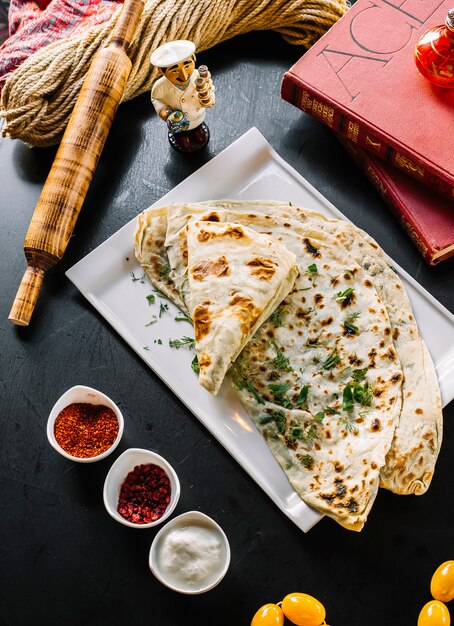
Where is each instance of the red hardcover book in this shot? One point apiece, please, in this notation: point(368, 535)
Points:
point(427, 217)
point(360, 79)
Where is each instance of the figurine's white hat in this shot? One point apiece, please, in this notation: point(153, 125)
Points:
point(172, 52)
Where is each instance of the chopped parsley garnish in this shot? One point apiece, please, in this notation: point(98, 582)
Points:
point(135, 278)
point(341, 296)
point(312, 268)
point(310, 432)
point(307, 460)
point(267, 419)
point(151, 298)
point(237, 375)
point(301, 400)
point(308, 311)
point(278, 417)
point(276, 317)
point(183, 318)
point(357, 392)
point(359, 375)
point(153, 321)
point(297, 432)
point(184, 341)
point(363, 394)
point(257, 395)
point(331, 361)
point(280, 361)
point(160, 293)
point(165, 269)
point(347, 398)
point(195, 364)
point(331, 410)
point(240, 381)
point(163, 308)
point(181, 289)
point(278, 389)
point(349, 424)
point(319, 417)
point(146, 347)
point(158, 341)
point(351, 328)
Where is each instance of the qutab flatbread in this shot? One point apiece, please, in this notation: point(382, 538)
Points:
point(321, 378)
point(322, 454)
point(236, 278)
point(411, 460)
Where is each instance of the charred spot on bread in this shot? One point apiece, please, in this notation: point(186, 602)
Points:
point(218, 267)
point(310, 248)
point(202, 321)
point(263, 269)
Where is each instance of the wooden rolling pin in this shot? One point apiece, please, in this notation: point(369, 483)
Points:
point(66, 186)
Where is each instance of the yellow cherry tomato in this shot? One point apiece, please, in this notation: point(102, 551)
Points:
point(434, 613)
point(268, 615)
point(303, 610)
point(442, 583)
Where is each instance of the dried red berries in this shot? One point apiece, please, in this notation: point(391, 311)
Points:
point(144, 494)
point(86, 430)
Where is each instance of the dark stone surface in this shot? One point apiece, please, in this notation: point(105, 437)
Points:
point(63, 560)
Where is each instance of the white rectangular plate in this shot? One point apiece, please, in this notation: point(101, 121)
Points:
point(248, 169)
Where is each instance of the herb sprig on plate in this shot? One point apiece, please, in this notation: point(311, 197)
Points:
point(187, 342)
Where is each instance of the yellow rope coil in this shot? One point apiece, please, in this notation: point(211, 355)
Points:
point(38, 97)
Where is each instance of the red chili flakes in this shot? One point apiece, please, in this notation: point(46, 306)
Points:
point(144, 494)
point(86, 430)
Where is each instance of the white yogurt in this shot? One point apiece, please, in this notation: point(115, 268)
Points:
point(190, 554)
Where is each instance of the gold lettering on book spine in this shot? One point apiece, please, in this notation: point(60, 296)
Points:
point(373, 144)
point(378, 184)
point(406, 164)
point(352, 131)
point(316, 108)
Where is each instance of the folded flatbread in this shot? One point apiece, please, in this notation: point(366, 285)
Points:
point(323, 388)
point(336, 460)
point(236, 278)
point(412, 457)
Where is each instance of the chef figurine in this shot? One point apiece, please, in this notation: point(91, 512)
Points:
point(182, 95)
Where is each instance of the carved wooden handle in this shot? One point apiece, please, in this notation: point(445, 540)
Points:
point(66, 186)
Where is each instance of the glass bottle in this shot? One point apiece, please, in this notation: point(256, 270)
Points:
point(434, 53)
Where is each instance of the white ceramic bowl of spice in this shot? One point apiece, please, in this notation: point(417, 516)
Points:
point(85, 425)
point(141, 489)
point(190, 554)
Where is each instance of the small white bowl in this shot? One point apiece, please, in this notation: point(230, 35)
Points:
point(191, 520)
point(117, 474)
point(80, 393)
